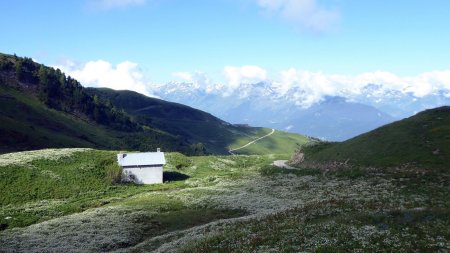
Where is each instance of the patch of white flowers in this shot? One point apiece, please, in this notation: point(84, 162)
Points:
point(100, 229)
point(257, 194)
point(21, 158)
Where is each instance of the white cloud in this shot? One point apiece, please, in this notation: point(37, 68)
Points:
point(185, 76)
point(429, 82)
point(111, 4)
point(123, 76)
point(309, 88)
point(245, 74)
point(306, 14)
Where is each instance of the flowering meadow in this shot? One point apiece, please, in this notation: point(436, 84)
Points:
point(237, 204)
point(25, 157)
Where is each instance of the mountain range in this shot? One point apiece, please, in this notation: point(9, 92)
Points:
point(334, 118)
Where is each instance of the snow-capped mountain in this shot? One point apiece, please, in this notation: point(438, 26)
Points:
point(298, 110)
point(400, 104)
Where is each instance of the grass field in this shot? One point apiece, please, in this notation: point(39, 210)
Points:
point(218, 203)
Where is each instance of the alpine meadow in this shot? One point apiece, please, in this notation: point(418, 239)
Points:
point(224, 126)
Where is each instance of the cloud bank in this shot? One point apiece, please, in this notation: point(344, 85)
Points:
point(245, 74)
point(304, 88)
point(312, 87)
point(124, 76)
point(307, 88)
point(305, 14)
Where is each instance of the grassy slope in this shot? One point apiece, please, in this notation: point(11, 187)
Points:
point(423, 139)
point(27, 124)
point(180, 120)
point(198, 126)
point(278, 143)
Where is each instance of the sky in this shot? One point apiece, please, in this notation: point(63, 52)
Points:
point(134, 44)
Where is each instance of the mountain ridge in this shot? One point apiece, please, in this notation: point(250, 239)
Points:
point(171, 117)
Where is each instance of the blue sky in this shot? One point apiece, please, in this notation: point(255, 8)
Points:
point(161, 37)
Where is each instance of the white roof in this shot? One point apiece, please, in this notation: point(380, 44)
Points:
point(141, 159)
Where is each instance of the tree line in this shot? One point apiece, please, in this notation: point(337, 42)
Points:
point(64, 93)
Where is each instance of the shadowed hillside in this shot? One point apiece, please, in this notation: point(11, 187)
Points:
point(198, 127)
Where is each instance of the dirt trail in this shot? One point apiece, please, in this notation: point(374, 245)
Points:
point(250, 143)
point(282, 164)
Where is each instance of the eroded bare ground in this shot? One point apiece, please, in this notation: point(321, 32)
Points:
point(306, 210)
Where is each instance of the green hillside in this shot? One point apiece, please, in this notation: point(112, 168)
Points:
point(197, 126)
point(42, 108)
point(27, 124)
point(422, 140)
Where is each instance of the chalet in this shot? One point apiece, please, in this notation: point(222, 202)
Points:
point(142, 168)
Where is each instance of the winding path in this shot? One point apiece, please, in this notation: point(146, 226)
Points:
point(250, 143)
